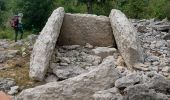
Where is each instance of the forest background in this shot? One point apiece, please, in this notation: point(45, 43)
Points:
point(36, 12)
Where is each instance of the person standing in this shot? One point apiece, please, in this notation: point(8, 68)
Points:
point(16, 23)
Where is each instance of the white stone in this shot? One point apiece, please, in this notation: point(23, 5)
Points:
point(45, 44)
point(103, 51)
point(126, 38)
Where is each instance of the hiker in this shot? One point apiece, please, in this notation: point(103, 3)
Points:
point(16, 23)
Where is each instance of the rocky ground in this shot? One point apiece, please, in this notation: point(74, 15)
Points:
point(14, 64)
point(150, 82)
point(155, 40)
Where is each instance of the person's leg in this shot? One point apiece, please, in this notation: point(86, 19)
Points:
point(21, 31)
point(16, 34)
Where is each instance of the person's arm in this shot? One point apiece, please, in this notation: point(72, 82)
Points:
point(3, 96)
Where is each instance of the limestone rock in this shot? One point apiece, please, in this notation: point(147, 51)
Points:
point(14, 90)
point(103, 51)
point(6, 84)
point(128, 80)
point(110, 94)
point(142, 92)
point(65, 72)
point(81, 87)
point(126, 39)
point(85, 28)
point(45, 45)
point(51, 78)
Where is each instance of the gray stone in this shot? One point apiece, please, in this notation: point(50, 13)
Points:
point(126, 38)
point(103, 51)
point(142, 92)
point(14, 90)
point(128, 80)
point(152, 58)
point(65, 72)
point(81, 87)
point(159, 84)
point(88, 45)
point(5, 84)
point(51, 78)
point(161, 27)
point(110, 94)
point(85, 28)
point(166, 69)
point(71, 47)
point(45, 44)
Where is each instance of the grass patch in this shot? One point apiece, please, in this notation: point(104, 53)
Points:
point(10, 34)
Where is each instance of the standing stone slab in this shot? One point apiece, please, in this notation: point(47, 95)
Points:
point(85, 28)
point(81, 87)
point(45, 45)
point(126, 38)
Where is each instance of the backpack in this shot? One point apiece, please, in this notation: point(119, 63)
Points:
point(14, 21)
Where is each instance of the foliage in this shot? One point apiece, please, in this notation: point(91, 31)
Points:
point(35, 12)
point(159, 9)
point(2, 11)
point(134, 8)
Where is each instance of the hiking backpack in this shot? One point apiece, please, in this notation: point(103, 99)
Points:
point(14, 21)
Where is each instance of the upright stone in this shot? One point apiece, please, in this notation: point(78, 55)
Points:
point(126, 38)
point(45, 45)
point(85, 28)
point(81, 87)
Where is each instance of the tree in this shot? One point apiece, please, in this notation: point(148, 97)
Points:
point(133, 8)
point(36, 12)
point(2, 11)
point(90, 3)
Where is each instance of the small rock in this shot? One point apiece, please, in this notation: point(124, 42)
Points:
point(51, 78)
point(110, 94)
point(13, 90)
point(152, 58)
point(129, 80)
point(65, 60)
point(120, 61)
point(63, 64)
point(166, 69)
point(103, 51)
point(71, 47)
point(88, 46)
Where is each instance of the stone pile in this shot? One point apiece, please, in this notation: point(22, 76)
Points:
point(154, 39)
point(70, 61)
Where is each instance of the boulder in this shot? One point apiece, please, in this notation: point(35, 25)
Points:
point(103, 51)
point(81, 87)
point(85, 28)
point(142, 92)
point(128, 80)
point(110, 94)
point(45, 45)
point(126, 39)
point(65, 72)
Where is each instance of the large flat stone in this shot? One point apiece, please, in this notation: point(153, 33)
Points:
point(45, 44)
point(126, 38)
point(81, 87)
point(85, 28)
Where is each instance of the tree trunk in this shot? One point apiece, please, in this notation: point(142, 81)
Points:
point(89, 7)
